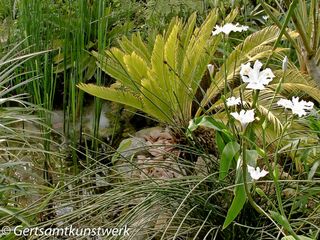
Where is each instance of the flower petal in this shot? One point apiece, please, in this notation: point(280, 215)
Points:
point(255, 173)
point(285, 63)
point(210, 68)
point(228, 28)
point(298, 107)
point(266, 76)
point(232, 101)
point(244, 117)
point(256, 78)
point(285, 103)
point(245, 72)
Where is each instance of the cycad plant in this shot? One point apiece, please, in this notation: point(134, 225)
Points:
point(161, 80)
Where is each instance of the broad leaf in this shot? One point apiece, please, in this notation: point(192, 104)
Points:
point(239, 192)
point(229, 152)
point(236, 205)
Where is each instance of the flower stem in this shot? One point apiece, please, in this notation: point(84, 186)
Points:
point(244, 174)
point(246, 188)
point(275, 178)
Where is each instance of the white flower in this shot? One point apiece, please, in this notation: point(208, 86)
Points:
point(257, 79)
point(265, 17)
point(298, 108)
point(229, 27)
point(255, 173)
point(285, 103)
point(244, 117)
point(232, 101)
point(285, 63)
point(210, 69)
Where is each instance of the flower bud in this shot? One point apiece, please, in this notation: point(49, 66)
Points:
point(285, 63)
point(210, 69)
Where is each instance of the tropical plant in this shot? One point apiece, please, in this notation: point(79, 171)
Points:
point(164, 86)
point(193, 206)
point(161, 81)
point(194, 77)
point(70, 31)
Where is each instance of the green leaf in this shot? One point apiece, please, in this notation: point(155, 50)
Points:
point(14, 213)
point(313, 170)
point(120, 96)
point(136, 66)
point(252, 156)
point(209, 122)
point(124, 145)
point(229, 152)
point(300, 237)
point(281, 220)
point(91, 69)
point(220, 142)
point(188, 29)
point(239, 192)
point(236, 205)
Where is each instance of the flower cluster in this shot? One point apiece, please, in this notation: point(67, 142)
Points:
point(257, 79)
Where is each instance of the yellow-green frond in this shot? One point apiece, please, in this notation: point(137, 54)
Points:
point(115, 95)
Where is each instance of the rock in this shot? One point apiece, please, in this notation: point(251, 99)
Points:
point(88, 121)
point(127, 149)
point(149, 154)
point(105, 126)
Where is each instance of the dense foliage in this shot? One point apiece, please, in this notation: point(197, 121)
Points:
point(179, 119)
